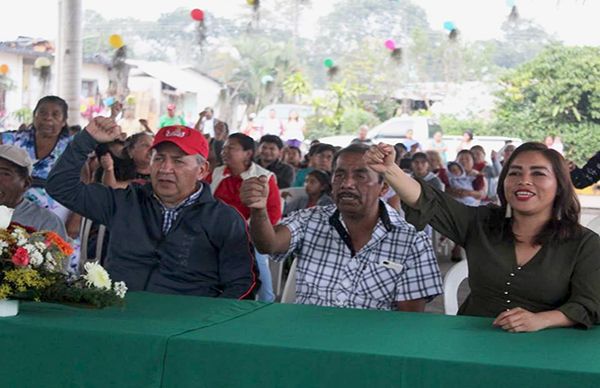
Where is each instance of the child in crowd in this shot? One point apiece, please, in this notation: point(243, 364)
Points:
point(459, 180)
point(317, 187)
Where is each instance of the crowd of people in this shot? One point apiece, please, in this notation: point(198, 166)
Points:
point(199, 211)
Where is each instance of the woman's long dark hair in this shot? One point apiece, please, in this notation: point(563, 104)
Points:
point(564, 223)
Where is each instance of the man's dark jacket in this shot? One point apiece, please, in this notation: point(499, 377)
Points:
point(206, 252)
point(283, 172)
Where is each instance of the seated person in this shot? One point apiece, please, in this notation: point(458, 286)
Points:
point(15, 179)
point(317, 191)
point(292, 156)
point(320, 157)
point(420, 168)
point(478, 187)
point(357, 253)
point(459, 181)
point(170, 235)
point(269, 156)
point(531, 264)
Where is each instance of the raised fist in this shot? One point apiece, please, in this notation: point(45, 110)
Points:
point(254, 192)
point(103, 129)
point(380, 157)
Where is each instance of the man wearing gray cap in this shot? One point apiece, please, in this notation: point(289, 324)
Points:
point(15, 179)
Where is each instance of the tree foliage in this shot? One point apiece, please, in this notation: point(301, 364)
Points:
point(557, 93)
point(296, 86)
point(523, 39)
point(329, 110)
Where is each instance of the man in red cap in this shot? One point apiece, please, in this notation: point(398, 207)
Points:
point(168, 236)
point(170, 118)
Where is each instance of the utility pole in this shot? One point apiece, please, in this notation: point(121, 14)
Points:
point(69, 55)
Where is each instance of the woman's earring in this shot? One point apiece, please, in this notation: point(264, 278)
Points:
point(508, 211)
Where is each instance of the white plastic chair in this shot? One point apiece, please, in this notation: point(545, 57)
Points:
point(454, 277)
point(294, 191)
point(276, 268)
point(289, 290)
point(594, 224)
point(84, 236)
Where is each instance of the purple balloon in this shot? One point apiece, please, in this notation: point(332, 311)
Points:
point(390, 44)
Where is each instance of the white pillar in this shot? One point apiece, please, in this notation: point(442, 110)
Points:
point(70, 55)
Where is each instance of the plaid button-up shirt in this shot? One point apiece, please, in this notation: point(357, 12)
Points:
point(170, 214)
point(397, 264)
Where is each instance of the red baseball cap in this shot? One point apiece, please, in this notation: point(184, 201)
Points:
point(191, 141)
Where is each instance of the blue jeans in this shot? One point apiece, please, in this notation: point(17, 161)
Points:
point(265, 292)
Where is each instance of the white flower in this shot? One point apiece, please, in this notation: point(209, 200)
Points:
point(49, 265)
point(36, 259)
point(96, 276)
point(40, 246)
point(120, 289)
point(49, 260)
point(20, 236)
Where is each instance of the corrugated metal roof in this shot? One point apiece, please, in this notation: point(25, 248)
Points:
point(5, 47)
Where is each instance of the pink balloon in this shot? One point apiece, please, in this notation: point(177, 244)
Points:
point(390, 44)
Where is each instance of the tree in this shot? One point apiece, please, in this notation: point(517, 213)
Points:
point(523, 40)
point(558, 92)
point(329, 111)
point(360, 27)
point(295, 86)
point(254, 69)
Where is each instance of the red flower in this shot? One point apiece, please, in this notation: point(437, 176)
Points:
point(21, 257)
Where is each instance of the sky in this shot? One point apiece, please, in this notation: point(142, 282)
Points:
point(573, 21)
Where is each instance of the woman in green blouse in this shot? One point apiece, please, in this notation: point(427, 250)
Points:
point(531, 264)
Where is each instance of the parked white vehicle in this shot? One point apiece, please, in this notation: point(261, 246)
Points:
point(392, 131)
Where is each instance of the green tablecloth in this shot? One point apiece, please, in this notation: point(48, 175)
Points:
point(51, 345)
point(308, 346)
point(175, 341)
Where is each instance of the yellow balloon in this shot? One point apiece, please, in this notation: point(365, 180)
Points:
point(82, 108)
point(250, 2)
point(41, 62)
point(116, 41)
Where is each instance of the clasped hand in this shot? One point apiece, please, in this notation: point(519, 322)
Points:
point(254, 192)
point(520, 320)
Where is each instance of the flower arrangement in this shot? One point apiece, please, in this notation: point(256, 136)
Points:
point(33, 267)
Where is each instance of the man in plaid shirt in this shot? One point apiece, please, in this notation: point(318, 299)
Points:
point(357, 253)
